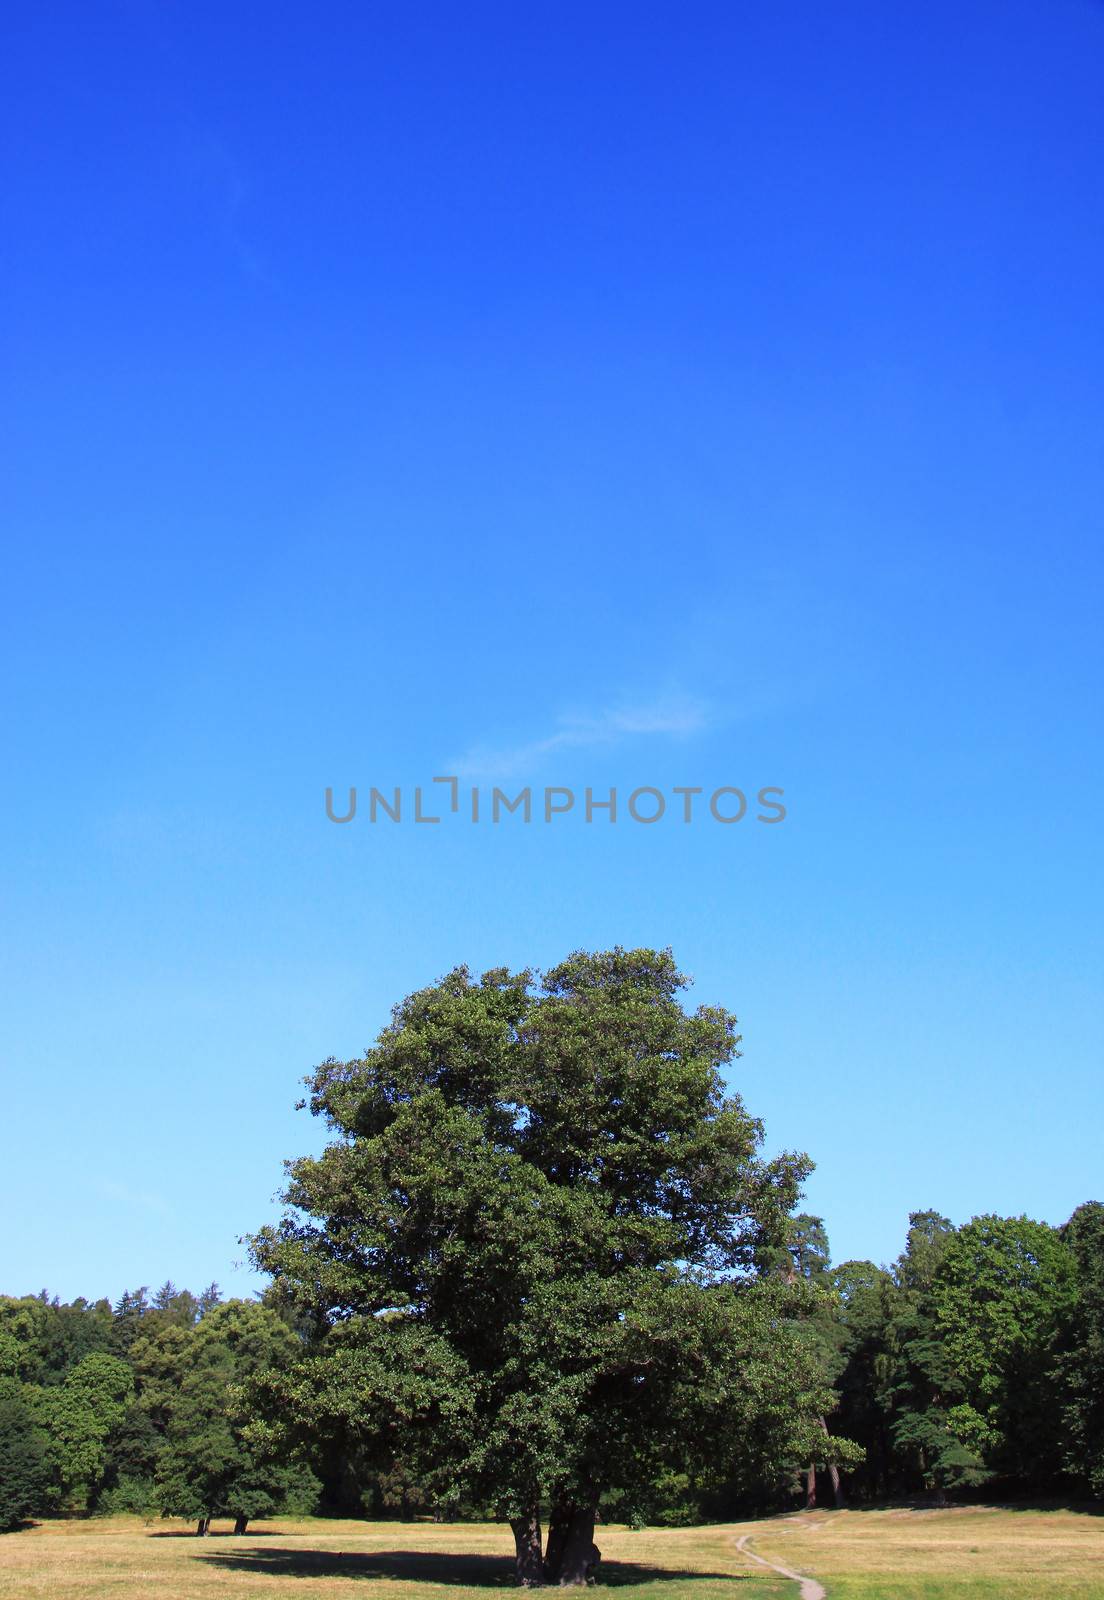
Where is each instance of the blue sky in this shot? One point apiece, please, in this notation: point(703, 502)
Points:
point(570, 395)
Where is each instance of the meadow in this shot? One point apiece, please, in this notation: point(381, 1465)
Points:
point(978, 1553)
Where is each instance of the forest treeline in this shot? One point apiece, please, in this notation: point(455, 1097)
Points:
point(975, 1361)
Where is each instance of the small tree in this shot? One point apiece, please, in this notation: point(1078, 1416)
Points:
point(208, 1465)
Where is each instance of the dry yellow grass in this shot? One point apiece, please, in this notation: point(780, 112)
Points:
point(120, 1557)
point(977, 1554)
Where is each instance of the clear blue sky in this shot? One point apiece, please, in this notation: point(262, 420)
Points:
point(584, 395)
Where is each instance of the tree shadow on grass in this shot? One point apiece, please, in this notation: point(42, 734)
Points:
point(481, 1572)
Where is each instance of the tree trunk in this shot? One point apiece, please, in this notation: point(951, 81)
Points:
point(527, 1547)
point(833, 1473)
point(203, 1526)
point(240, 1524)
point(558, 1519)
point(810, 1487)
point(574, 1554)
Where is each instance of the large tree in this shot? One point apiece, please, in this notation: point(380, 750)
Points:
point(530, 1251)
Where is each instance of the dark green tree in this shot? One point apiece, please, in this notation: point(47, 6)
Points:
point(921, 1385)
point(800, 1255)
point(24, 1470)
point(131, 1308)
point(531, 1246)
point(1000, 1291)
point(896, 1385)
point(867, 1299)
point(949, 1376)
point(53, 1338)
point(208, 1466)
point(1079, 1368)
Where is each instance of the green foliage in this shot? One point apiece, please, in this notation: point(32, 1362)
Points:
point(137, 1409)
point(11, 1356)
point(674, 1500)
point(131, 1494)
point(51, 1338)
point(24, 1472)
point(208, 1466)
point(1001, 1288)
point(950, 1374)
point(137, 1316)
point(1079, 1364)
point(80, 1415)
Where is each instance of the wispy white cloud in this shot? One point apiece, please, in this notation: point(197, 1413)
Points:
point(674, 717)
point(218, 174)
